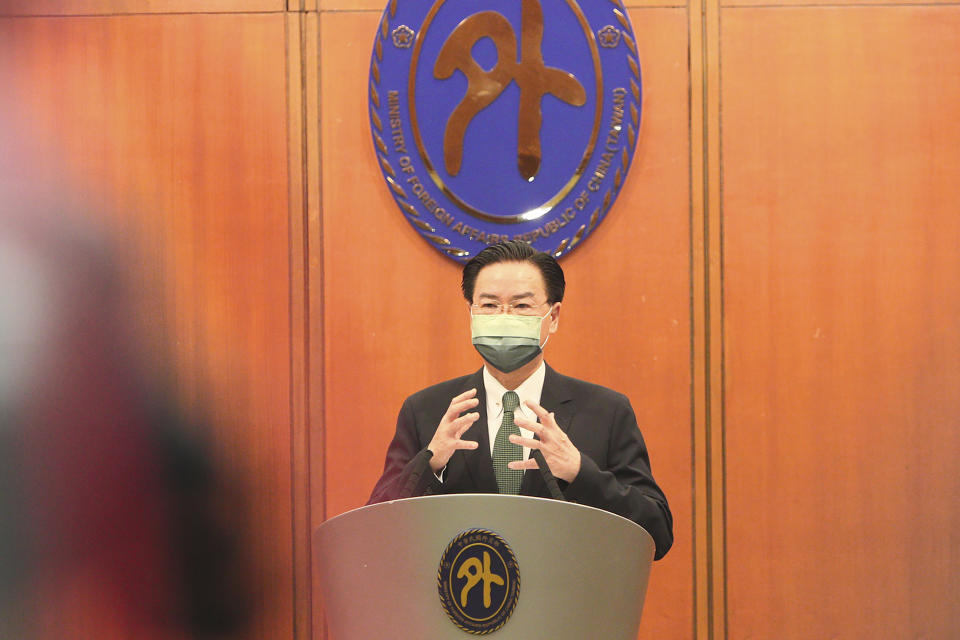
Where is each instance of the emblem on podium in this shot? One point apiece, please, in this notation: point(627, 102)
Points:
point(504, 119)
point(479, 581)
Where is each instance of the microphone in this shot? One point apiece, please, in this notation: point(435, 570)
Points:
point(547, 476)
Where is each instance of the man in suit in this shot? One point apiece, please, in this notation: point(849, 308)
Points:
point(475, 434)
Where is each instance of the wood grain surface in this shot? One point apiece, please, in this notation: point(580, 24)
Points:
point(841, 302)
point(775, 289)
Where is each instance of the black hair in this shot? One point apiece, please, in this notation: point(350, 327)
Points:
point(514, 251)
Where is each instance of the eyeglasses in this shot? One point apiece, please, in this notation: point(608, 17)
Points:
point(522, 308)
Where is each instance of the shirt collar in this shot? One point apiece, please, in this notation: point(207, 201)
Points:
point(530, 389)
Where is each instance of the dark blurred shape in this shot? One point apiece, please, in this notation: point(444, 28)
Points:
point(114, 521)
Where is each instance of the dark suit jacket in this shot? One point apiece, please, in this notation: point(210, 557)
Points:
point(614, 469)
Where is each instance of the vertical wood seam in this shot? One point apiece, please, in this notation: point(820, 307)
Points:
point(710, 615)
point(697, 126)
point(299, 314)
point(316, 329)
point(715, 323)
point(313, 119)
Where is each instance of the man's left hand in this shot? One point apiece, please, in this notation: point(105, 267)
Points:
point(561, 456)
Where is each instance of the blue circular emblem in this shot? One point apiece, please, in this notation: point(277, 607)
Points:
point(502, 120)
point(479, 581)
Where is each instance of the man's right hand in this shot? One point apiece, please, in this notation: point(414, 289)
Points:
point(446, 440)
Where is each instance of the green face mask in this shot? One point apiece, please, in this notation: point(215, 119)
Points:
point(507, 341)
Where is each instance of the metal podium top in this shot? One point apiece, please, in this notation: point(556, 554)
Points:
point(582, 572)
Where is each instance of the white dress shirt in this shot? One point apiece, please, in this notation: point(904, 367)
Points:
point(529, 389)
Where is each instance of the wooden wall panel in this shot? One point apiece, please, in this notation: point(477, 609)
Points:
point(841, 299)
point(823, 3)
point(131, 7)
point(375, 6)
point(172, 130)
point(395, 321)
point(194, 138)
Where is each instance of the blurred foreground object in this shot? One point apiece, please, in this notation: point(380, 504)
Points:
point(113, 521)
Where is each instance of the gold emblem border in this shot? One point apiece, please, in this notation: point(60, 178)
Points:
point(568, 243)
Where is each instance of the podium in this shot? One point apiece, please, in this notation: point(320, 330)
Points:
point(576, 573)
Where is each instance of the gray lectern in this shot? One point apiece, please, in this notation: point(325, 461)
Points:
point(581, 573)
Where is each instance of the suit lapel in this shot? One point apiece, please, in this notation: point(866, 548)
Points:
point(555, 397)
point(479, 463)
